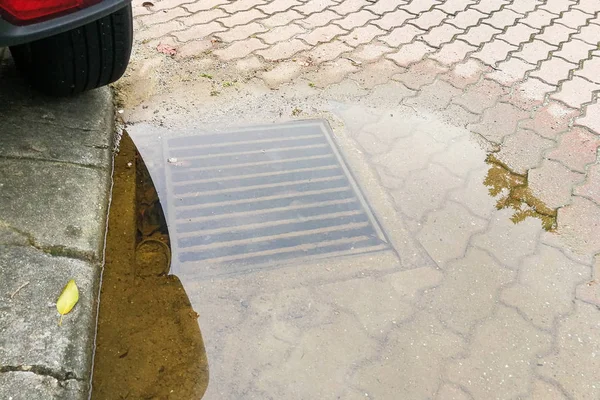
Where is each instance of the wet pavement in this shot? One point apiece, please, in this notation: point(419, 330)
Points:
point(469, 128)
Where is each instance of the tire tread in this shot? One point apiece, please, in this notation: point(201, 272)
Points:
point(81, 59)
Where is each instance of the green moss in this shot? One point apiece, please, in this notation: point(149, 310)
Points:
point(515, 194)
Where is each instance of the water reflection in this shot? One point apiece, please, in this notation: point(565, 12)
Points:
point(261, 220)
point(282, 320)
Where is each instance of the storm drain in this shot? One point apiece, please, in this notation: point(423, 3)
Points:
point(263, 195)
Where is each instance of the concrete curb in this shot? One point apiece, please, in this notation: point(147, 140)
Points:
point(55, 176)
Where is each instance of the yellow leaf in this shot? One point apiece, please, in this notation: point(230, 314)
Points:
point(67, 299)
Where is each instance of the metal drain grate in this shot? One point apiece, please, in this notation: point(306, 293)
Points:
point(260, 195)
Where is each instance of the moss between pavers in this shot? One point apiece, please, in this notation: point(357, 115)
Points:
point(515, 194)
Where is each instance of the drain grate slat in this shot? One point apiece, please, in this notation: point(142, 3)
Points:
point(310, 239)
point(279, 214)
point(246, 166)
point(273, 132)
point(273, 228)
point(266, 191)
point(268, 153)
point(260, 181)
point(250, 147)
point(200, 179)
point(266, 203)
point(270, 168)
point(255, 158)
point(263, 195)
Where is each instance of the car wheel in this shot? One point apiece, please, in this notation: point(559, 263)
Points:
point(81, 59)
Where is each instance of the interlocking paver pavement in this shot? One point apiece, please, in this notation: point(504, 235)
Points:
point(512, 313)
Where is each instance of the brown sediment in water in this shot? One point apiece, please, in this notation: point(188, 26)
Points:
point(515, 194)
point(149, 345)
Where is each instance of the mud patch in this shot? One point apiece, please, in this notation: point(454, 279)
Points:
point(514, 193)
point(148, 344)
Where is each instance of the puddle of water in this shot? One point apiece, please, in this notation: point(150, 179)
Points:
point(297, 275)
point(148, 343)
point(259, 218)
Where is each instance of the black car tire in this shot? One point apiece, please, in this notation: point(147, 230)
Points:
point(81, 59)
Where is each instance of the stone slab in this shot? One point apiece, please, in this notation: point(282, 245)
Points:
point(61, 207)
point(30, 337)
